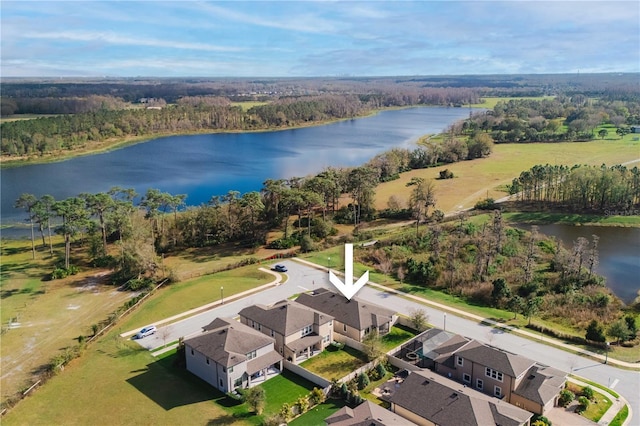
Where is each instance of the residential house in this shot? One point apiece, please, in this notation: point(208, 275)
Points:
point(514, 378)
point(299, 331)
point(539, 390)
point(366, 414)
point(354, 318)
point(428, 399)
point(230, 355)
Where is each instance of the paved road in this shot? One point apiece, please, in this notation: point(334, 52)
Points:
point(302, 278)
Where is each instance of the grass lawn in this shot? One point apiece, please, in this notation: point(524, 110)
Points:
point(316, 415)
point(571, 219)
point(190, 294)
point(477, 179)
point(333, 363)
point(597, 407)
point(620, 418)
point(397, 336)
point(287, 387)
point(118, 382)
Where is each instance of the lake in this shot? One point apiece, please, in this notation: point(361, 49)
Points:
point(619, 250)
point(202, 166)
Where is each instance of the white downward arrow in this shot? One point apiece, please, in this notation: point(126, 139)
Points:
point(348, 288)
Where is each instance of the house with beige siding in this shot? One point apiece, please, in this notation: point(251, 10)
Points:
point(354, 318)
point(513, 378)
point(428, 399)
point(298, 330)
point(230, 355)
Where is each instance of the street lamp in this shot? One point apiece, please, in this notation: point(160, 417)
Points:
point(445, 322)
point(328, 263)
point(222, 295)
point(606, 352)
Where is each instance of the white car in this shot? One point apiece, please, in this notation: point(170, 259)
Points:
point(147, 331)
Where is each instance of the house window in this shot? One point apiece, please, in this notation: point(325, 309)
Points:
point(238, 382)
point(251, 355)
point(325, 339)
point(307, 330)
point(479, 384)
point(224, 370)
point(221, 383)
point(273, 333)
point(466, 378)
point(497, 391)
point(230, 369)
point(207, 360)
point(459, 361)
point(495, 375)
point(344, 327)
point(191, 351)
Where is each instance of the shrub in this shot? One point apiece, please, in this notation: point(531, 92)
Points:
point(381, 370)
point(587, 392)
point(584, 404)
point(566, 396)
point(307, 244)
point(282, 243)
point(363, 381)
point(446, 174)
point(316, 396)
point(486, 204)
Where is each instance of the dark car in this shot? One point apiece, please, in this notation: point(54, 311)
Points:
point(280, 268)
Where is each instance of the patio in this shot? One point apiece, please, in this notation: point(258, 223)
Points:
point(388, 388)
point(263, 375)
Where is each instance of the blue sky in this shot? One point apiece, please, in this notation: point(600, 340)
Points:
point(305, 38)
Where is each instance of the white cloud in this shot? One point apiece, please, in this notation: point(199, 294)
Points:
point(113, 38)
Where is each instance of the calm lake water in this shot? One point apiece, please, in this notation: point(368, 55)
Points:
point(202, 166)
point(619, 250)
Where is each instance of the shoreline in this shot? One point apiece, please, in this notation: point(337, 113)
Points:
point(114, 144)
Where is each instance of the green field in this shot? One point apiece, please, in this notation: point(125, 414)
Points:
point(190, 294)
point(490, 102)
point(487, 177)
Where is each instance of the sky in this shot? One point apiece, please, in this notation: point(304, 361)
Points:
point(309, 39)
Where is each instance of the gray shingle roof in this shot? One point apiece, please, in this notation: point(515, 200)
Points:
point(505, 362)
point(227, 341)
point(285, 317)
point(541, 384)
point(445, 402)
point(366, 414)
point(355, 313)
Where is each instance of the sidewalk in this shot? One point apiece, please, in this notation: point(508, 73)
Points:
point(277, 281)
point(461, 313)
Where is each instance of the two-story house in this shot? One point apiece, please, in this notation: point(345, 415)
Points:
point(514, 378)
point(428, 399)
point(230, 355)
point(299, 331)
point(353, 318)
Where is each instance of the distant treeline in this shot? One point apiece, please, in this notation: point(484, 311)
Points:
point(562, 118)
point(580, 188)
point(68, 132)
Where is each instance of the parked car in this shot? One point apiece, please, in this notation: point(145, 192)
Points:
point(280, 268)
point(146, 331)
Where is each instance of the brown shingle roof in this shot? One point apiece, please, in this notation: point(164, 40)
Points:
point(445, 402)
point(541, 384)
point(504, 362)
point(228, 341)
point(366, 414)
point(355, 313)
point(285, 317)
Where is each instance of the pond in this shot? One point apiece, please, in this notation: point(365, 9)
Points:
point(619, 250)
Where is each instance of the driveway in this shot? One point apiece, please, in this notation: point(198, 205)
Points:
point(566, 416)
